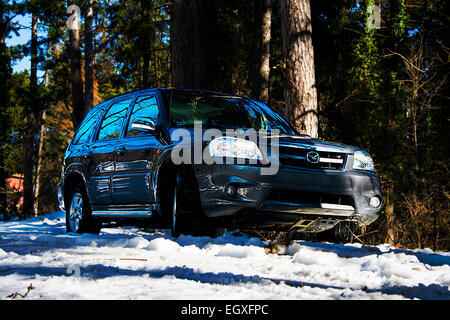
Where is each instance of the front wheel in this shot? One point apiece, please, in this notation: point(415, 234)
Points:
point(183, 221)
point(186, 211)
point(78, 214)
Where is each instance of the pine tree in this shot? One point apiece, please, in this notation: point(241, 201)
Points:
point(88, 57)
point(264, 68)
point(300, 88)
point(75, 64)
point(30, 131)
point(5, 74)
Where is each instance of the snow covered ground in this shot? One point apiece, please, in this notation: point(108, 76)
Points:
point(131, 264)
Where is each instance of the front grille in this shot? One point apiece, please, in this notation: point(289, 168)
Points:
point(296, 157)
point(298, 197)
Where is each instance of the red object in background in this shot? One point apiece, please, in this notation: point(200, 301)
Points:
point(15, 184)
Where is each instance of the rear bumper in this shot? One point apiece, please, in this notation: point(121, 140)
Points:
point(254, 199)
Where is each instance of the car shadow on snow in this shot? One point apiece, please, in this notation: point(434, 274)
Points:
point(349, 251)
point(29, 238)
point(100, 271)
point(421, 291)
point(36, 240)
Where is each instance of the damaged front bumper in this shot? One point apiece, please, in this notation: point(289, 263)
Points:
point(294, 198)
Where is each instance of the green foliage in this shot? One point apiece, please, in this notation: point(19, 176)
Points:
point(364, 72)
point(135, 45)
point(389, 98)
point(5, 69)
point(399, 19)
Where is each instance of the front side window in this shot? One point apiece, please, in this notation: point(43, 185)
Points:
point(84, 132)
point(145, 108)
point(113, 120)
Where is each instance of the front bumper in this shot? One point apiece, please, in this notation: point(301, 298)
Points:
point(317, 207)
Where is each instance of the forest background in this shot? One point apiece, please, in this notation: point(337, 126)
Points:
point(372, 74)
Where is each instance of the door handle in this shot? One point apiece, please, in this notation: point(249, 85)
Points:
point(121, 150)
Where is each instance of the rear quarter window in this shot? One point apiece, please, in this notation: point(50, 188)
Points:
point(113, 120)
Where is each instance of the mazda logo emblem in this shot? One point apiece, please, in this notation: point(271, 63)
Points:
point(312, 157)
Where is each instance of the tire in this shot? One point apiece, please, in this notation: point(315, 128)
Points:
point(181, 223)
point(78, 213)
point(186, 211)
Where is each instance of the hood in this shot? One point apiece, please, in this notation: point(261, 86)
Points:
point(300, 141)
point(306, 142)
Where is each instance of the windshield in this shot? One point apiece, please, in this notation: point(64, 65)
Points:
point(222, 112)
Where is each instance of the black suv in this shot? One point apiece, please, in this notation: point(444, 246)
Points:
point(199, 161)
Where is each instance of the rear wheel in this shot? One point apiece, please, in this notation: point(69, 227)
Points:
point(78, 213)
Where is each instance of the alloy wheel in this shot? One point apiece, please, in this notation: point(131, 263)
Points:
point(76, 211)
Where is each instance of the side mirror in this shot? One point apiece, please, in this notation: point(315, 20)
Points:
point(143, 125)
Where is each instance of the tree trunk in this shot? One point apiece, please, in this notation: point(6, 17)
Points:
point(5, 71)
point(181, 39)
point(300, 88)
point(145, 71)
point(28, 195)
point(88, 57)
point(202, 9)
point(188, 44)
point(3, 188)
point(390, 209)
point(264, 67)
point(75, 75)
point(37, 185)
point(145, 44)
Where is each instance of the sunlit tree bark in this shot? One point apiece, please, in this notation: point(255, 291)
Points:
point(28, 194)
point(75, 73)
point(264, 68)
point(88, 57)
point(300, 83)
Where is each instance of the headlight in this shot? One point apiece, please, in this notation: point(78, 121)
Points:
point(362, 160)
point(234, 148)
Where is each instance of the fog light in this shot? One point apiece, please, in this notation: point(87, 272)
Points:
point(230, 190)
point(375, 202)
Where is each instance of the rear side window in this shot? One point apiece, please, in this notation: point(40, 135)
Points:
point(84, 132)
point(113, 120)
point(146, 107)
